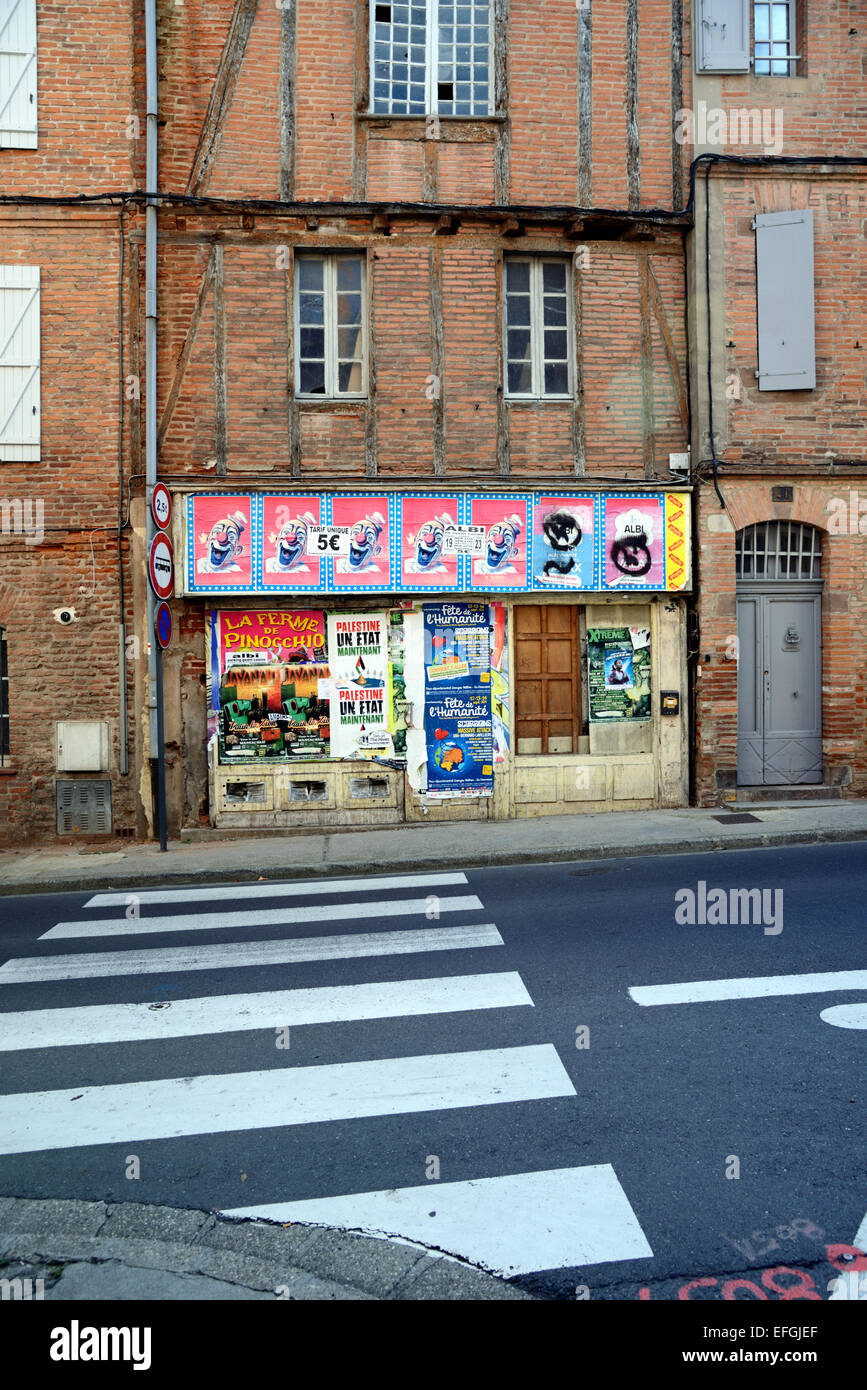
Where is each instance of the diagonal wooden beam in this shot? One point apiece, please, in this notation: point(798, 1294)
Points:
point(222, 94)
point(670, 350)
point(186, 350)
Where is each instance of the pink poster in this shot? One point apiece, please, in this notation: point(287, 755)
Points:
point(367, 561)
point(422, 527)
point(220, 545)
point(634, 531)
point(285, 563)
point(503, 565)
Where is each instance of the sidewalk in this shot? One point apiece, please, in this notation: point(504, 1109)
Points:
point(213, 856)
point(110, 1253)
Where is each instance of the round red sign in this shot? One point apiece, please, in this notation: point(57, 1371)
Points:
point(161, 505)
point(161, 565)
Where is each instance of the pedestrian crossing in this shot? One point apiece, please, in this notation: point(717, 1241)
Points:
point(511, 1223)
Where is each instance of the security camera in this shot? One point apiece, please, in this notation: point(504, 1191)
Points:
point(64, 615)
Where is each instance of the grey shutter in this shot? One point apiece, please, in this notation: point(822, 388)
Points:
point(722, 41)
point(18, 74)
point(19, 363)
point(784, 289)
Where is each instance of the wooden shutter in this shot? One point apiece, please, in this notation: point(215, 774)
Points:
point(18, 74)
point(785, 307)
point(548, 687)
point(722, 40)
point(19, 363)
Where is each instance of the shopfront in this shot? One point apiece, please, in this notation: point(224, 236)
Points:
point(378, 658)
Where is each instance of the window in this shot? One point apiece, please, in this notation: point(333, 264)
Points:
point(774, 52)
point(4, 699)
point(538, 327)
point(18, 74)
point(778, 550)
point(548, 687)
point(330, 326)
point(19, 363)
point(432, 57)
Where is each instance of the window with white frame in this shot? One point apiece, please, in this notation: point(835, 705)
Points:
point(330, 316)
point(538, 326)
point(18, 74)
point(774, 39)
point(432, 57)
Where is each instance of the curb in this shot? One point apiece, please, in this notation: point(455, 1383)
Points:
point(130, 1252)
point(420, 864)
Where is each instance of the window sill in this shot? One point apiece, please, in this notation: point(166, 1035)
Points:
point(8, 769)
point(539, 400)
point(388, 118)
point(313, 403)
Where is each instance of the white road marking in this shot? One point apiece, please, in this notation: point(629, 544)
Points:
point(275, 917)
point(234, 955)
point(846, 1015)
point(143, 1110)
point(761, 987)
point(233, 1013)
point(851, 1284)
point(510, 1225)
point(305, 888)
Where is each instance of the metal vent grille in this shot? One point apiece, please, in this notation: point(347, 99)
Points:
point(84, 808)
point(778, 550)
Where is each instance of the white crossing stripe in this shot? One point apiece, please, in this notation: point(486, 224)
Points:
point(143, 1110)
point(234, 955)
point(511, 1225)
point(275, 917)
point(304, 888)
point(760, 987)
point(846, 1015)
point(234, 1013)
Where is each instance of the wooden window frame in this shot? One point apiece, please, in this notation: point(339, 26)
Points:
point(537, 327)
point(330, 260)
point(793, 57)
point(432, 64)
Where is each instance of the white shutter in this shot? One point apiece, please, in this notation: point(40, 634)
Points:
point(18, 74)
point(722, 36)
point(19, 363)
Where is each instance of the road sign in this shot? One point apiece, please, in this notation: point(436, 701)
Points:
point(161, 565)
point(163, 625)
point(161, 505)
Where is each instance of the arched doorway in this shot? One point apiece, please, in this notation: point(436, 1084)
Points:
point(779, 615)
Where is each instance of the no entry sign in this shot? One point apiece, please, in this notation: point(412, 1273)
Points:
point(161, 565)
point(161, 505)
point(163, 625)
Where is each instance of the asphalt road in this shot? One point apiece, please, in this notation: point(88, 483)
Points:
point(621, 1124)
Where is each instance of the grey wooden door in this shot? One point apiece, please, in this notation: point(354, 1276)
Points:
point(779, 684)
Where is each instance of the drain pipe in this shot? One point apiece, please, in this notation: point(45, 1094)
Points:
point(153, 700)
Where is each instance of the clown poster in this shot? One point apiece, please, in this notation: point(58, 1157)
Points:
point(563, 542)
point(360, 685)
point(634, 542)
point(220, 533)
point(458, 719)
point(423, 523)
point(269, 668)
point(284, 563)
point(364, 564)
point(503, 564)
